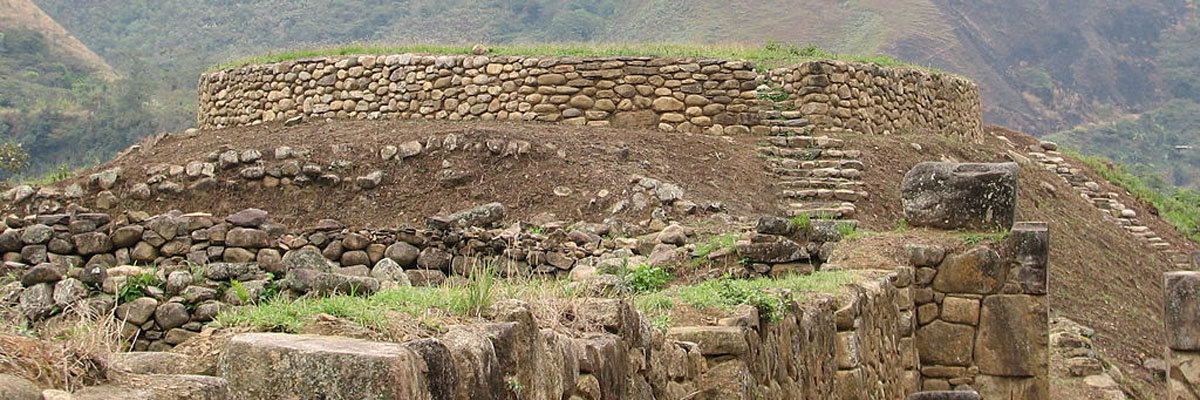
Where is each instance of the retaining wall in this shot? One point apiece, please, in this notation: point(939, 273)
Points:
point(674, 94)
point(983, 316)
point(805, 355)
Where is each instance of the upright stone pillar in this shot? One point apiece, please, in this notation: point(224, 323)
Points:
point(1182, 316)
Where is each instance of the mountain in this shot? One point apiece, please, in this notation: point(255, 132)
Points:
point(1043, 67)
point(63, 103)
point(23, 15)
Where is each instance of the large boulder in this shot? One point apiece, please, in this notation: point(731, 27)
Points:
point(159, 387)
point(266, 365)
point(960, 195)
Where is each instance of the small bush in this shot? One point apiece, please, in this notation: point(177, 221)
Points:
point(135, 287)
point(646, 278)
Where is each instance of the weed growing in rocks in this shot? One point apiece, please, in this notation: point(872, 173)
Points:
point(135, 287)
point(645, 278)
point(768, 295)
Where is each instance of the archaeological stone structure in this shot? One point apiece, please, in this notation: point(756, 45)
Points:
point(954, 323)
point(983, 315)
point(675, 94)
point(1182, 315)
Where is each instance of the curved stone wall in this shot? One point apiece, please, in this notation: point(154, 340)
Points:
point(670, 93)
point(881, 100)
point(674, 94)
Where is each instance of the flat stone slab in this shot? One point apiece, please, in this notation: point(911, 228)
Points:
point(267, 365)
point(945, 395)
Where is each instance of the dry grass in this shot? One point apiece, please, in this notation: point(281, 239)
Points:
point(64, 352)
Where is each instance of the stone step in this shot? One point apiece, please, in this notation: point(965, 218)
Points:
point(826, 194)
point(826, 210)
point(1160, 245)
point(847, 173)
point(823, 183)
point(809, 154)
point(816, 164)
point(818, 142)
point(789, 123)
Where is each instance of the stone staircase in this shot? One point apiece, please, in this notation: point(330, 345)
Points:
point(1109, 203)
point(816, 174)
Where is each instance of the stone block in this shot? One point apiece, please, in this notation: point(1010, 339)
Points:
point(1181, 291)
point(960, 310)
point(1013, 336)
point(960, 195)
point(1000, 387)
point(977, 271)
point(713, 340)
point(944, 343)
point(1029, 244)
point(265, 365)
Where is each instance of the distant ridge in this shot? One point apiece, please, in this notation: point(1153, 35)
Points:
point(24, 14)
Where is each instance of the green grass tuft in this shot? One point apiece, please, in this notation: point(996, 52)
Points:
point(728, 293)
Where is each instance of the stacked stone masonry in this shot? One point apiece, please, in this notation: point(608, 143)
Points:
point(1182, 316)
point(983, 317)
point(878, 100)
point(674, 94)
point(816, 351)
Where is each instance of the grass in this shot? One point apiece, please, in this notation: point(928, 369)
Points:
point(378, 311)
point(726, 293)
point(769, 55)
point(1180, 208)
point(715, 243)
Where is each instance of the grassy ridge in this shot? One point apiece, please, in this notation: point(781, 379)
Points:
point(769, 55)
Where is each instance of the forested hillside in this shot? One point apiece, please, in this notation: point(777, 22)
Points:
point(61, 102)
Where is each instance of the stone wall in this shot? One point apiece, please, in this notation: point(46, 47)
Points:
point(673, 94)
point(814, 352)
point(881, 100)
point(669, 93)
point(1182, 315)
point(983, 316)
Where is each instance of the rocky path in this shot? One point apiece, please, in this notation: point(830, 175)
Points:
point(1108, 203)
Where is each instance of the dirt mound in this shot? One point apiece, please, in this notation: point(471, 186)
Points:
point(570, 172)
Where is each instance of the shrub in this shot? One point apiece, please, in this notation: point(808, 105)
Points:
point(646, 278)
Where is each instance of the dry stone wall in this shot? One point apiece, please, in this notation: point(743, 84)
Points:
point(674, 94)
point(814, 351)
point(983, 316)
point(880, 100)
